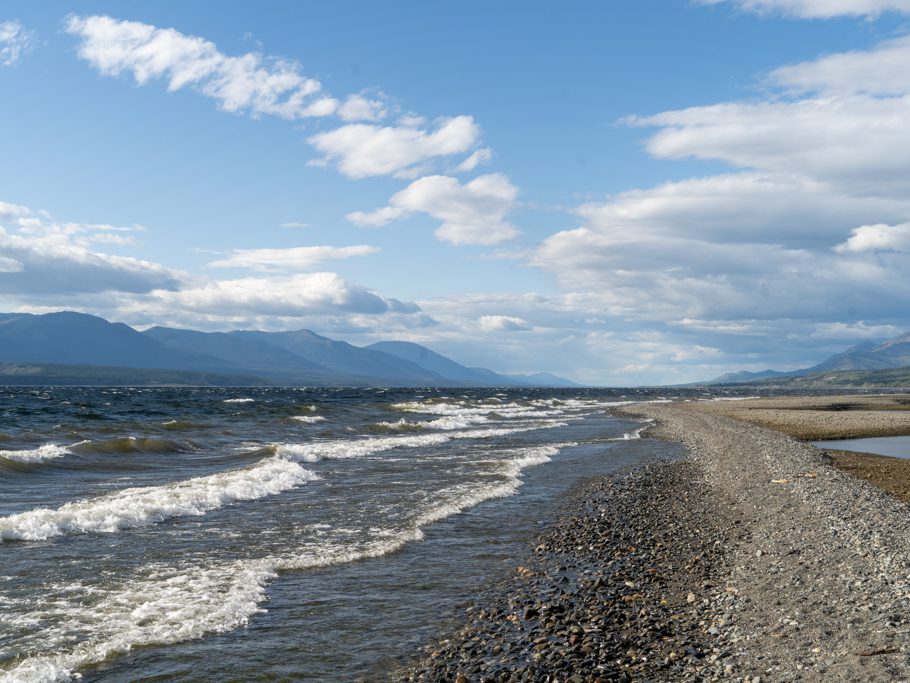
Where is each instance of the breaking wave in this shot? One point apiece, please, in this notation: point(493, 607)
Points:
point(142, 506)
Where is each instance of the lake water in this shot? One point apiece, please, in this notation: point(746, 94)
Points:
point(272, 534)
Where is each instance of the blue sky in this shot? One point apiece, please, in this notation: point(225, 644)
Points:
point(622, 193)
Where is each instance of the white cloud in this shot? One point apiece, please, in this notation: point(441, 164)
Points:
point(11, 211)
point(503, 323)
point(361, 150)
point(481, 156)
point(879, 71)
point(15, 41)
point(296, 295)
point(295, 258)
point(819, 9)
point(879, 237)
point(857, 330)
point(843, 120)
point(360, 108)
point(377, 218)
point(772, 250)
point(859, 141)
point(787, 210)
point(10, 265)
point(472, 213)
point(295, 224)
point(250, 82)
point(40, 257)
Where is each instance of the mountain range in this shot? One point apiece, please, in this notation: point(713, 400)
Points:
point(76, 348)
point(867, 356)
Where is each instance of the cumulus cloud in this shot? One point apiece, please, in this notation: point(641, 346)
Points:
point(503, 323)
point(858, 141)
point(746, 207)
point(12, 211)
point(297, 295)
point(471, 213)
point(818, 9)
point(772, 250)
point(879, 237)
point(251, 83)
point(15, 41)
point(360, 108)
point(842, 119)
point(361, 150)
point(879, 71)
point(481, 156)
point(293, 258)
point(40, 256)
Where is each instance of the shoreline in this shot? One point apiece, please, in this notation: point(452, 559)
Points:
point(754, 558)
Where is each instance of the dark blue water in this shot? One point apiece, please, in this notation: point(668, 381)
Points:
point(215, 534)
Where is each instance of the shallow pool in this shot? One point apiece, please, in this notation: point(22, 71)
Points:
point(895, 446)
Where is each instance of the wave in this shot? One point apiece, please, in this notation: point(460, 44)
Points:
point(239, 400)
point(401, 425)
point(167, 606)
point(142, 506)
point(634, 434)
point(181, 425)
point(49, 451)
point(308, 419)
point(279, 472)
point(340, 450)
point(134, 444)
point(171, 605)
point(462, 414)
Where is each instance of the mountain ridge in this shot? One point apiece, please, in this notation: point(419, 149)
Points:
point(867, 356)
point(45, 345)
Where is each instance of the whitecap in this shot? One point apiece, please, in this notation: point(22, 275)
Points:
point(308, 419)
point(140, 506)
point(48, 451)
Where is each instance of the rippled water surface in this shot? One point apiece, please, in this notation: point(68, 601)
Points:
point(271, 534)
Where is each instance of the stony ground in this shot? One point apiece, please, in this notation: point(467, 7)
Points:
point(753, 560)
point(619, 589)
point(815, 418)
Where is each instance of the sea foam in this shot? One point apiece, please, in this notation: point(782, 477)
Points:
point(141, 506)
point(48, 451)
point(171, 605)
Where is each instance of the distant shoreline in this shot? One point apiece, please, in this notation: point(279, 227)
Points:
point(756, 556)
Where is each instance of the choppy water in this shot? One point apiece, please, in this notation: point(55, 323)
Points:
point(270, 534)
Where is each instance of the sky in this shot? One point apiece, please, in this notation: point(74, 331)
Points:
point(622, 193)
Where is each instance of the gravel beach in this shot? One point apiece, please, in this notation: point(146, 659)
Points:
point(753, 559)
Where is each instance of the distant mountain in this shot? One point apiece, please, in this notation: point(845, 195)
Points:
point(867, 356)
point(450, 370)
point(894, 353)
point(23, 374)
point(546, 379)
point(892, 377)
point(251, 354)
point(348, 360)
point(79, 339)
point(745, 377)
point(440, 365)
point(75, 348)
